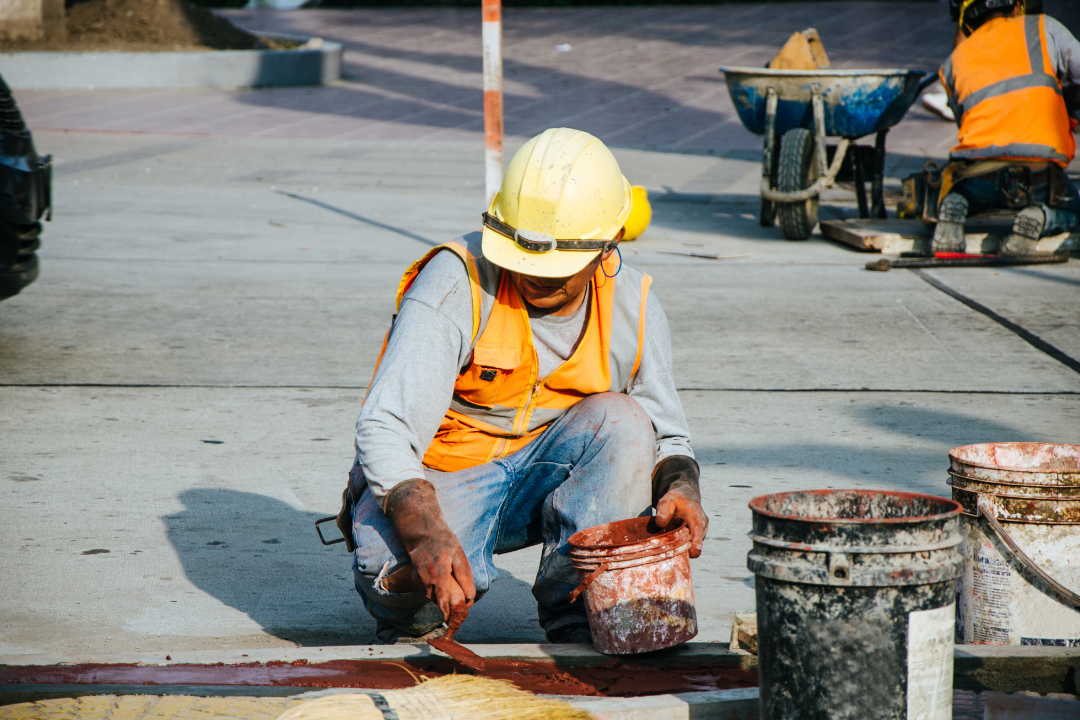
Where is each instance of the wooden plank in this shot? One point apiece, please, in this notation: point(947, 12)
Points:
point(892, 237)
point(889, 236)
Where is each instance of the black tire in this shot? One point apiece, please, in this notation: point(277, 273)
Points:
point(797, 171)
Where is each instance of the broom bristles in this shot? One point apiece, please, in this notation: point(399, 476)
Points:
point(442, 698)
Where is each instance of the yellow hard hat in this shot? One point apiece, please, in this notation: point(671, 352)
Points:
point(640, 213)
point(562, 200)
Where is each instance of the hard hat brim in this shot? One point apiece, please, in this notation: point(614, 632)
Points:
point(505, 253)
point(508, 255)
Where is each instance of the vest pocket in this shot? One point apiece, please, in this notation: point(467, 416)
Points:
point(480, 384)
point(478, 387)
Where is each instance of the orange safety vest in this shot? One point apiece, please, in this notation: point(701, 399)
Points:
point(500, 403)
point(1005, 96)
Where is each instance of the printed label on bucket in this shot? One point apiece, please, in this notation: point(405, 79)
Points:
point(991, 580)
point(930, 663)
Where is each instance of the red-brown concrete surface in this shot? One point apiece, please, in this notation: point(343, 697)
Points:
point(635, 76)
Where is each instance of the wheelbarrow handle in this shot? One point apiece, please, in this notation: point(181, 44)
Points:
point(926, 82)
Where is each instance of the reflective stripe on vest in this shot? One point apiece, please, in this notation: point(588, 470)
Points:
point(500, 404)
point(1006, 109)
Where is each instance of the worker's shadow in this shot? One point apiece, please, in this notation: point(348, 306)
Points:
point(261, 556)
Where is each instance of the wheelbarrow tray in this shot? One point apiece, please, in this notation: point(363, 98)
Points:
point(857, 102)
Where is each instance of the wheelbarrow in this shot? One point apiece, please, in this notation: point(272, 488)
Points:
point(797, 110)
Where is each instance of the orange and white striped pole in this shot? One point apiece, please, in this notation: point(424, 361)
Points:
point(493, 97)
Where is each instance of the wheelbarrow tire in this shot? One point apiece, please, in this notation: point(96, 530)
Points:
point(797, 171)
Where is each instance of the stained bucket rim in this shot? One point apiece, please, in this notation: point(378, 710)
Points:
point(666, 538)
point(954, 458)
point(757, 505)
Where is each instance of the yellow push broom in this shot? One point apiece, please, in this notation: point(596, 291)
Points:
point(451, 697)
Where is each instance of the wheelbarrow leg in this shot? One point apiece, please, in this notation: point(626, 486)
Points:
point(768, 158)
point(820, 148)
point(860, 181)
point(877, 186)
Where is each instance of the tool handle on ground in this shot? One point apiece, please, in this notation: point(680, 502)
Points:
point(1064, 595)
point(939, 261)
point(581, 588)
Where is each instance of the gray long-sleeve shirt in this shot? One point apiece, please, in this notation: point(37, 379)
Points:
point(431, 342)
point(1064, 51)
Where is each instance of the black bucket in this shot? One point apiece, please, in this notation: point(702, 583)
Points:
point(856, 596)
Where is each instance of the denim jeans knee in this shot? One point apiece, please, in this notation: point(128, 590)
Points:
point(591, 466)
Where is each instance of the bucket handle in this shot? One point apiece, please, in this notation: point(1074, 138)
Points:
point(585, 583)
point(1064, 595)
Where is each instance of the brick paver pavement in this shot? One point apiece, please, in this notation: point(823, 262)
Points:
point(635, 76)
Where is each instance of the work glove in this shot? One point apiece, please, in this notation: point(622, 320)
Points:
point(677, 496)
point(439, 567)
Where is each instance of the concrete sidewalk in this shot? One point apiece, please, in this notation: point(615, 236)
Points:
point(180, 385)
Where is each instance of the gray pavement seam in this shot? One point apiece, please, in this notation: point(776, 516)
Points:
point(361, 218)
point(1023, 333)
point(914, 391)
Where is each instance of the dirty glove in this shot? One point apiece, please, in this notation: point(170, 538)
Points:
point(677, 496)
point(439, 567)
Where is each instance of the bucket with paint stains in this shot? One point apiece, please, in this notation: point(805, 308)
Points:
point(1021, 527)
point(636, 582)
point(855, 604)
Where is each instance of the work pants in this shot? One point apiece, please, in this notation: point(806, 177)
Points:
point(984, 194)
point(591, 466)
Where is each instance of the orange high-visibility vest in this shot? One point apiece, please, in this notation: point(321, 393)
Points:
point(1005, 96)
point(500, 403)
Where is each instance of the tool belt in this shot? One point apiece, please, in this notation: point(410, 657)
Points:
point(1015, 181)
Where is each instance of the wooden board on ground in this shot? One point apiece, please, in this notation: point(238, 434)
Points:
point(893, 236)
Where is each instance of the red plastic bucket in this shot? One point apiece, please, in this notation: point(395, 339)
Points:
point(637, 588)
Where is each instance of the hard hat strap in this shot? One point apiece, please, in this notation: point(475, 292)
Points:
point(511, 233)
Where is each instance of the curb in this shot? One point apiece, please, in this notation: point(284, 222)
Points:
point(565, 655)
point(977, 668)
point(143, 70)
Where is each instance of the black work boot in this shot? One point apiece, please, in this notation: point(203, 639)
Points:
point(570, 634)
point(949, 233)
point(387, 634)
point(1027, 228)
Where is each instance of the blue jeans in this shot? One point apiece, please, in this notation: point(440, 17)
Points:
point(591, 466)
point(984, 195)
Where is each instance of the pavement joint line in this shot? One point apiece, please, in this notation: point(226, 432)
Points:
point(361, 218)
point(1049, 393)
point(1023, 333)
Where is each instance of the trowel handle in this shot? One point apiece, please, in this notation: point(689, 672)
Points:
point(581, 588)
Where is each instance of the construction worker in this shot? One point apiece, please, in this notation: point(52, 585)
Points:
point(524, 393)
point(1005, 88)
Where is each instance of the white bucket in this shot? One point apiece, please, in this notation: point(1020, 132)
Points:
point(1021, 547)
